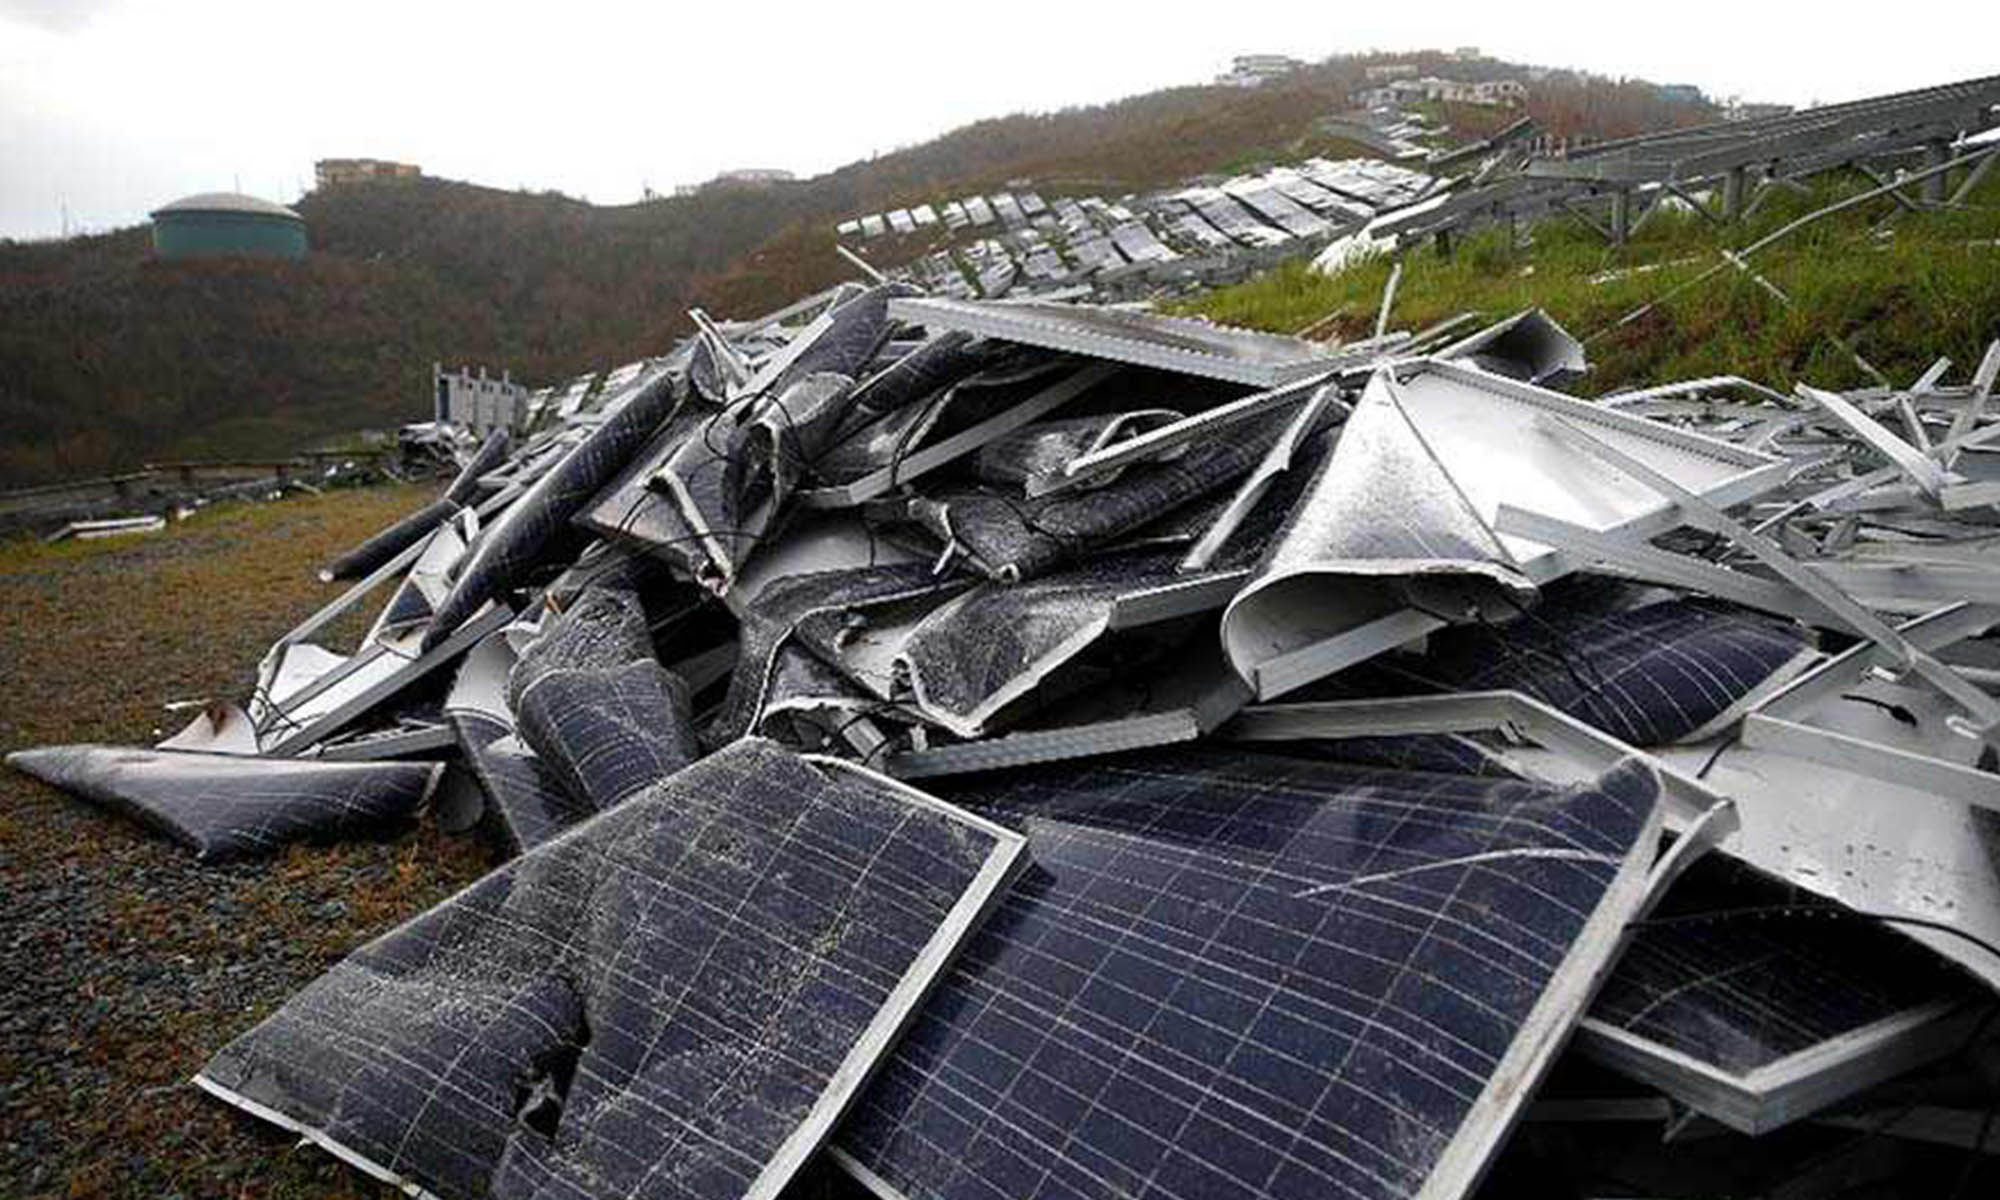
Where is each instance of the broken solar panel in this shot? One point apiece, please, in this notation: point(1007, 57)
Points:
point(460, 492)
point(526, 803)
point(1231, 973)
point(538, 523)
point(1655, 674)
point(225, 806)
point(677, 998)
point(1756, 1009)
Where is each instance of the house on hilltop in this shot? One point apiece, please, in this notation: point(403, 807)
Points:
point(333, 172)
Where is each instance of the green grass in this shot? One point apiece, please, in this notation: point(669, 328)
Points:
point(1925, 288)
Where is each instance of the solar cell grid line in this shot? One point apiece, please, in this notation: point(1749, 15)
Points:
point(1175, 1003)
point(1759, 1023)
point(720, 960)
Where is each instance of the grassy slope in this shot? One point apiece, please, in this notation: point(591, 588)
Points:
point(1926, 289)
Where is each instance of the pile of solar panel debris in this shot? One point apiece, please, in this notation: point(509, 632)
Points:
point(958, 749)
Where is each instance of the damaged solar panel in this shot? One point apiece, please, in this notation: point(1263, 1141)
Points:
point(678, 998)
point(1237, 973)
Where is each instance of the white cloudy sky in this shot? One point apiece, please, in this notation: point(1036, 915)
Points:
point(113, 106)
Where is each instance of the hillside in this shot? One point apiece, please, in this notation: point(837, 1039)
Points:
point(108, 357)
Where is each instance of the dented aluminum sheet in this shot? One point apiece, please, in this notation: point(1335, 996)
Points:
point(1528, 346)
point(1918, 846)
point(679, 997)
point(975, 656)
point(1470, 442)
point(1142, 339)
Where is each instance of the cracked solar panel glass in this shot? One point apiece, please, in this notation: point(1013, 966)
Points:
point(1740, 993)
point(1231, 973)
point(1666, 672)
point(674, 999)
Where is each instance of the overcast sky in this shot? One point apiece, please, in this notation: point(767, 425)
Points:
point(113, 107)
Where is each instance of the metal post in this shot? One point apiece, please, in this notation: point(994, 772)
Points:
point(1732, 193)
point(1937, 152)
point(1621, 216)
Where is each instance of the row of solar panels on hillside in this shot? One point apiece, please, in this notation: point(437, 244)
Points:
point(1202, 234)
point(966, 212)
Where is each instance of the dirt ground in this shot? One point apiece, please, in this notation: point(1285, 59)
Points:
point(123, 964)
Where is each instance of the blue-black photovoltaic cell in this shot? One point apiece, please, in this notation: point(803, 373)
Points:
point(1648, 676)
point(1241, 974)
point(1739, 992)
point(672, 999)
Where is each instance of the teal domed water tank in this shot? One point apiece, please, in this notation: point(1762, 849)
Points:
point(214, 224)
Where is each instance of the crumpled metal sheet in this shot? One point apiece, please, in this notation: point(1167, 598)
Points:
point(998, 644)
point(676, 999)
point(705, 377)
point(220, 728)
point(808, 614)
point(1529, 345)
point(225, 806)
point(390, 542)
point(1010, 539)
point(1381, 514)
point(1033, 457)
point(523, 535)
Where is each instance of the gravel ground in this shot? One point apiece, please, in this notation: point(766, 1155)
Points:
point(123, 964)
